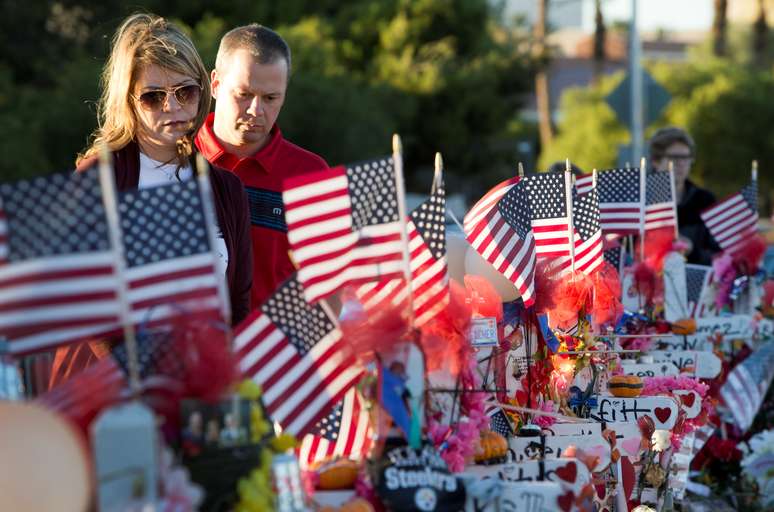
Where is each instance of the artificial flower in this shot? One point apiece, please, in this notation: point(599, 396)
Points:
point(660, 440)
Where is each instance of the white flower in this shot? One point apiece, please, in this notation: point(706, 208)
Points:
point(643, 508)
point(660, 440)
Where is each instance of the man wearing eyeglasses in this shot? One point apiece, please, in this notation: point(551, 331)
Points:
point(674, 145)
point(249, 83)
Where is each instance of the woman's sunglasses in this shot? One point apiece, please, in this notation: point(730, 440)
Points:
point(184, 94)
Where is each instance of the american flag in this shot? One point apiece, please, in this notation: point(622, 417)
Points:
point(295, 352)
point(547, 196)
point(57, 280)
point(584, 183)
point(620, 204)
point(732, 221)
point(746, 385)
point(588, 234)
point(429, 278)
point(498, 228)
point(344, 226)
point(170, 267)
point(344, 432)
point(498, 420)
point(660, 208)
point(615, 256)
point(697, 279)
point(104, 383)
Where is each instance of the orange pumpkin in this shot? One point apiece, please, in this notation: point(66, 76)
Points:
point(628, 386)
point(684, 326)
point(357, 505)
point(491, 446)
point(338, 474)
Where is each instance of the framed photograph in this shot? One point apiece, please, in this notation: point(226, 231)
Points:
point(208, 428)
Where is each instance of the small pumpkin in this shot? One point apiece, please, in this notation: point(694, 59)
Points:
point(491, 446)
point(684, 326)
point(337, 474)
point(357, 505)
point(628, 386)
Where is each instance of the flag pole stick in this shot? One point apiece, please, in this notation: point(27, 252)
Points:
point(438, 173)
point(205, 190)
point(397, 158)
point(754, 171)
point(521, 170)
point(110, 201)
point(643, 205)
point(568, 179)
point(674, 196)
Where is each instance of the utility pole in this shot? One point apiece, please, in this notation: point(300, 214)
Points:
point(636, 81)
point(542, 91)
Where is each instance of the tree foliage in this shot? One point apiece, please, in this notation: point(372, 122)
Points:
point(726, 106)
point(445, 74)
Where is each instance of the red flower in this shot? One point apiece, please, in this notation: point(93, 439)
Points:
point(724, 449)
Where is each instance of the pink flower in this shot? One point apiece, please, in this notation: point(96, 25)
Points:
point(545, 421)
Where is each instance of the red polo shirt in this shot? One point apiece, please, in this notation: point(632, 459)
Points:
point(262, 175)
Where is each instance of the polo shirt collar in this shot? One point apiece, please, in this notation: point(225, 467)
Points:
point(213, 150)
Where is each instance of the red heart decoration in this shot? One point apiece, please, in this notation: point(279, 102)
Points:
point(662, 413)
point(568, 472)
point(628, 476)
point(688, 399)
point(565, 501)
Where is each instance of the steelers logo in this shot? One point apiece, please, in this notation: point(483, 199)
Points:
point(425, 499)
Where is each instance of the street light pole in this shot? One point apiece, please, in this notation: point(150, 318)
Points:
point(636, 82)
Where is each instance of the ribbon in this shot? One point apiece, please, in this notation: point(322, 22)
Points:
point(578, 398)
point(548, 335)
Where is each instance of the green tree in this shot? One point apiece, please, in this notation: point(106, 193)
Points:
point(445, 74)
point(725, 106)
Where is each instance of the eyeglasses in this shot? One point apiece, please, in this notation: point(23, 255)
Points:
point(155, 99)
point(679, 158)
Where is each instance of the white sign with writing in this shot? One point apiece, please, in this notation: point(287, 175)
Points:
point(675, 292)
point(571, 474)
point(690, 402)
point(627, 434)
point(705, 365)
point(643, 370)
point(483, 332)
point(552, 447)
point(661, 409)
point(731, 326)
point(591, 428)
point(525, 497)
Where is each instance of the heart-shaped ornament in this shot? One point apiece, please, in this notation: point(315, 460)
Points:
point(565, 501)
point(662, 413)
point(568, 472)
point(688, 399)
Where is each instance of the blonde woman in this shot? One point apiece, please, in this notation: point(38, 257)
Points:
point(155, 97)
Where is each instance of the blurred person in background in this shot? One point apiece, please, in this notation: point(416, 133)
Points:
point(155, 97)
point(674, 145)
point(249, 84)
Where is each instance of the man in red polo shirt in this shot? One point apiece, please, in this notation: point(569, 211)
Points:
point(249, 84)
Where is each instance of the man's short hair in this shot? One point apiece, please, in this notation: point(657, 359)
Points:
point(263, 43)
point(665, 137)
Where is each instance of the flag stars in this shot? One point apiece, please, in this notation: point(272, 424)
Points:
point(55, 215)
point(373, 192)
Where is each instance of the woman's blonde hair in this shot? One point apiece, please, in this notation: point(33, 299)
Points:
point(142, 40)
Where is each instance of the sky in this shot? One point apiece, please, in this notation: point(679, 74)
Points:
point(672, 15)
point(655, 14)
